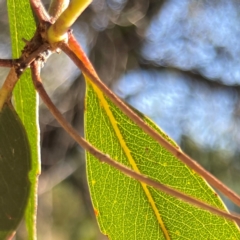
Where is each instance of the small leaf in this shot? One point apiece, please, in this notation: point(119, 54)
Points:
point(128, 209)
point(15, 164)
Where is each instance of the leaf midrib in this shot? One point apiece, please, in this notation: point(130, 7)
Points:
point(127, 151)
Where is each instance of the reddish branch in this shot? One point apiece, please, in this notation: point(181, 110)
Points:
point(7, 62)
point(40, 11)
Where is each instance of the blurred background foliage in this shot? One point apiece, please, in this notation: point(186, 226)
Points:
point(176, 61)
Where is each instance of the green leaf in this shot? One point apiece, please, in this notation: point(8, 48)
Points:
point(127, 209)
point(15, 164)
point(22, 25)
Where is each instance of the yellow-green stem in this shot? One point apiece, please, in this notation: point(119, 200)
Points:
point(58, 31)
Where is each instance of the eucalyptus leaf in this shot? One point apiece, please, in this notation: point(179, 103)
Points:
point(15, 165)
point(127, 209)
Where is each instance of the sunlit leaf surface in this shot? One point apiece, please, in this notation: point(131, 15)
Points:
point(127, 209)
point(22, 25)
point(15, 164)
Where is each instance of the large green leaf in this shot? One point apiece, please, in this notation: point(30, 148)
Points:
point(22, 25)
point(127, 209)
point(15, 164)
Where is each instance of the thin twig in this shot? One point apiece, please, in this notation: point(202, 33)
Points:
point(105, 158)
point(23, 64)
point(75, 52)
point(40, 11)
point(17, 69)
point(56, 8)
point(7, 62)
point(7, 87)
